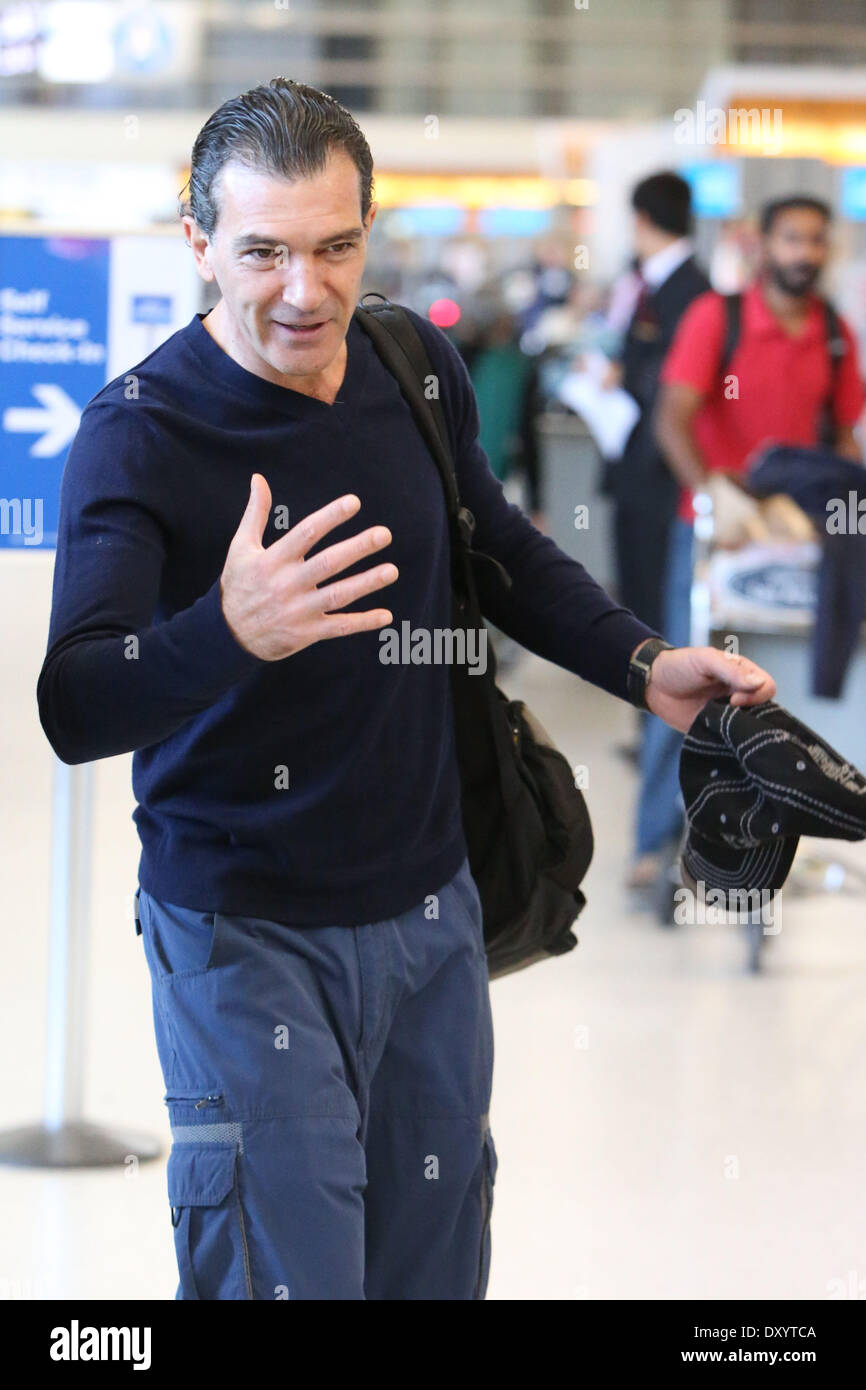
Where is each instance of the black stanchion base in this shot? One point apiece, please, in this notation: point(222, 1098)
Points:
point(75, 1144)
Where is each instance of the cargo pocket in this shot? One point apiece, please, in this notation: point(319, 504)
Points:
point(488, 1178)
point(206, 1212)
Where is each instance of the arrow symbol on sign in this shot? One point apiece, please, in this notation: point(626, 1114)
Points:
point(56, 420)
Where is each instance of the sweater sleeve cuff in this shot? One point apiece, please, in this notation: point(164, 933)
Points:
point(207, 647)
point(614, 639)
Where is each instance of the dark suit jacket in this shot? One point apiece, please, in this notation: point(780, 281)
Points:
point(642, 477)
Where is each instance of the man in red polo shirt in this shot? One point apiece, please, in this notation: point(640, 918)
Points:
point(780, 383)
point(779, 374)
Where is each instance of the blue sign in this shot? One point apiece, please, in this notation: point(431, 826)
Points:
point(151, 308)
point(427, 219)
point(143, 42)
point(514, 221)
point(716, 188)
point(853, 198)
point(53, 343)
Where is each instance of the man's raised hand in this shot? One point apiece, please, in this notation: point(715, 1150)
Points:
point(271, 597)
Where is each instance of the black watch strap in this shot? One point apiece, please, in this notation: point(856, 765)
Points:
point(637, 679)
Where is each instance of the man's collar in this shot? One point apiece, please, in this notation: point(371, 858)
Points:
point(659, 267)
point(763, 321)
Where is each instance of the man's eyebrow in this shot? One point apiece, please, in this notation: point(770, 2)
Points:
point(353, 234)
point(243, 243)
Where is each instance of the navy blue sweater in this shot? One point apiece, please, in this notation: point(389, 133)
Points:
point(322, 788)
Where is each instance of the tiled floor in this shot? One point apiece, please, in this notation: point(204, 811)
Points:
point(667, 1124)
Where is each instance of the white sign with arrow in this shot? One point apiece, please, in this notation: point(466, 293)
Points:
point(55, 419)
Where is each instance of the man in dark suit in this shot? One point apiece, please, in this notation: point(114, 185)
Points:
point(644, 488)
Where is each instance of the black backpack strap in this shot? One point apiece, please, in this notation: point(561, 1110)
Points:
point(396, 341)
point(400, 348)
point(733, 320)
point(837, 343)
point(837, 347)
point(478, 731)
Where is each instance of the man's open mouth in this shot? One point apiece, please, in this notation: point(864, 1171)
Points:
point(297, 330)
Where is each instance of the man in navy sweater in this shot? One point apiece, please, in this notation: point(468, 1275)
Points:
point(310, 923)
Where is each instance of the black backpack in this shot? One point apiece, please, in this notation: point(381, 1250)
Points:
point(527, 825)
point(837, 347)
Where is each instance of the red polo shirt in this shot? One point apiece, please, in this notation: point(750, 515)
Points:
point(782, 381)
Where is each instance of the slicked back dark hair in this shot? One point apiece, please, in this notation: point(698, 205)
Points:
point(794, 202)
point(283, 128)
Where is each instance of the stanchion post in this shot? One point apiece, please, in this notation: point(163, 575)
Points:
point(65, 1139)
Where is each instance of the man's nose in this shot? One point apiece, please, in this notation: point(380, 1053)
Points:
point(302, 285)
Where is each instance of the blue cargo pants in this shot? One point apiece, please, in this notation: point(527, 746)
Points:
point(328, 1091)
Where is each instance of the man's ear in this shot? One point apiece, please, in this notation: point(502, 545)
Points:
point(371, 216)
point(200, 247)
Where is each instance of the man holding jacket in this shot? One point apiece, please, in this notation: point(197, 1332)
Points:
point(311, 925)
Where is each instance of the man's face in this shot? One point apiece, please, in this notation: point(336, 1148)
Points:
point(642, 238)
point(288, 257)
point(796, 249)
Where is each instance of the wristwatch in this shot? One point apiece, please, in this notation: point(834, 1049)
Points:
point(638, 678)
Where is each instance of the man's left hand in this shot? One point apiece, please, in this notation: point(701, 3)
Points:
point(683, 680)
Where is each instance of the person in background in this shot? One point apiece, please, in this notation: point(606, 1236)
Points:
point(551, 277)
point(734, 256)
point(665, 279)
point(506, 388)
point(783, 376)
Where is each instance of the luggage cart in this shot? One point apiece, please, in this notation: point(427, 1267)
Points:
point(814, 870)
